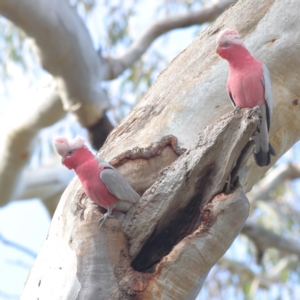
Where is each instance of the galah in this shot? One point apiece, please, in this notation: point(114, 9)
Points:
point(249, 86)
point(102, 183)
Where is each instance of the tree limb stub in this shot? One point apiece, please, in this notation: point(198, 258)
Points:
point(169, 210)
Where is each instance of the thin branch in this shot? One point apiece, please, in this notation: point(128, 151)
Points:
point(116, 66)
point(245, 273)
point(17, 246)
point(44, 182)
point(264, 239)
point(272, 180)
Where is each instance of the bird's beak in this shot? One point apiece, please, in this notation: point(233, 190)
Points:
point(217, 49)
point(62, 160)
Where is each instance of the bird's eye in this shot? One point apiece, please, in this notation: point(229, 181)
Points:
point(70, 152)
point(226, 44)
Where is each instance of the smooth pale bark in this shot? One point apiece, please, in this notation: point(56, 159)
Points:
point(19, 133)
point(46, 183)
point(65, 50)
point(189, 95)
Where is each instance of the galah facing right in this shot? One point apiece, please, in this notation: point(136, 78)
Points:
point(249, 86)
point(102, 183)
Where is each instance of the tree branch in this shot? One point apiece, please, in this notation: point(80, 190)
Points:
point(21, 124)
point(263, 280)
point(116, 66)
point(66, 51)
point(46, 183)
point(272, 180)
point(183, 271)
point(264, 239)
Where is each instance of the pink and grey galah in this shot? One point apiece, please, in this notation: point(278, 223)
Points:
point(249, 86)
point(102, 183)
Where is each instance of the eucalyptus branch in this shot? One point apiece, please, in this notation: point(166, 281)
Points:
point(272, 180)
point(116, 66)
point(264, 239)
point(21, 124)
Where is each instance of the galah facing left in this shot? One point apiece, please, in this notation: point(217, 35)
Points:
point(249, 86)
point(102, 183)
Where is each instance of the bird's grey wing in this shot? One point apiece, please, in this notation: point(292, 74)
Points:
point(118, 185)
point(102, 163)
point(266, 80)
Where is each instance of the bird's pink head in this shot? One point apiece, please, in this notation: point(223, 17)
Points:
point(70, 150)
point(228, 41)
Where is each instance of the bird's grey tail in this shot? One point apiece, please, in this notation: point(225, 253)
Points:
point(262, 158)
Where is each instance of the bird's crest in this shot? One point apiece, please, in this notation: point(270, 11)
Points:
point(63, 145)
point(230, 36)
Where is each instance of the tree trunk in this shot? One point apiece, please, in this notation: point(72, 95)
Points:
point(193, 202)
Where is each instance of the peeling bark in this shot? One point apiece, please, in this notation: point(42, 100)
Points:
point(197, 176)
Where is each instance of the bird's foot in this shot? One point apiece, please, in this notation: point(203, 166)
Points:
point(104, 217)
point(255, 111)
point(236, 110)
